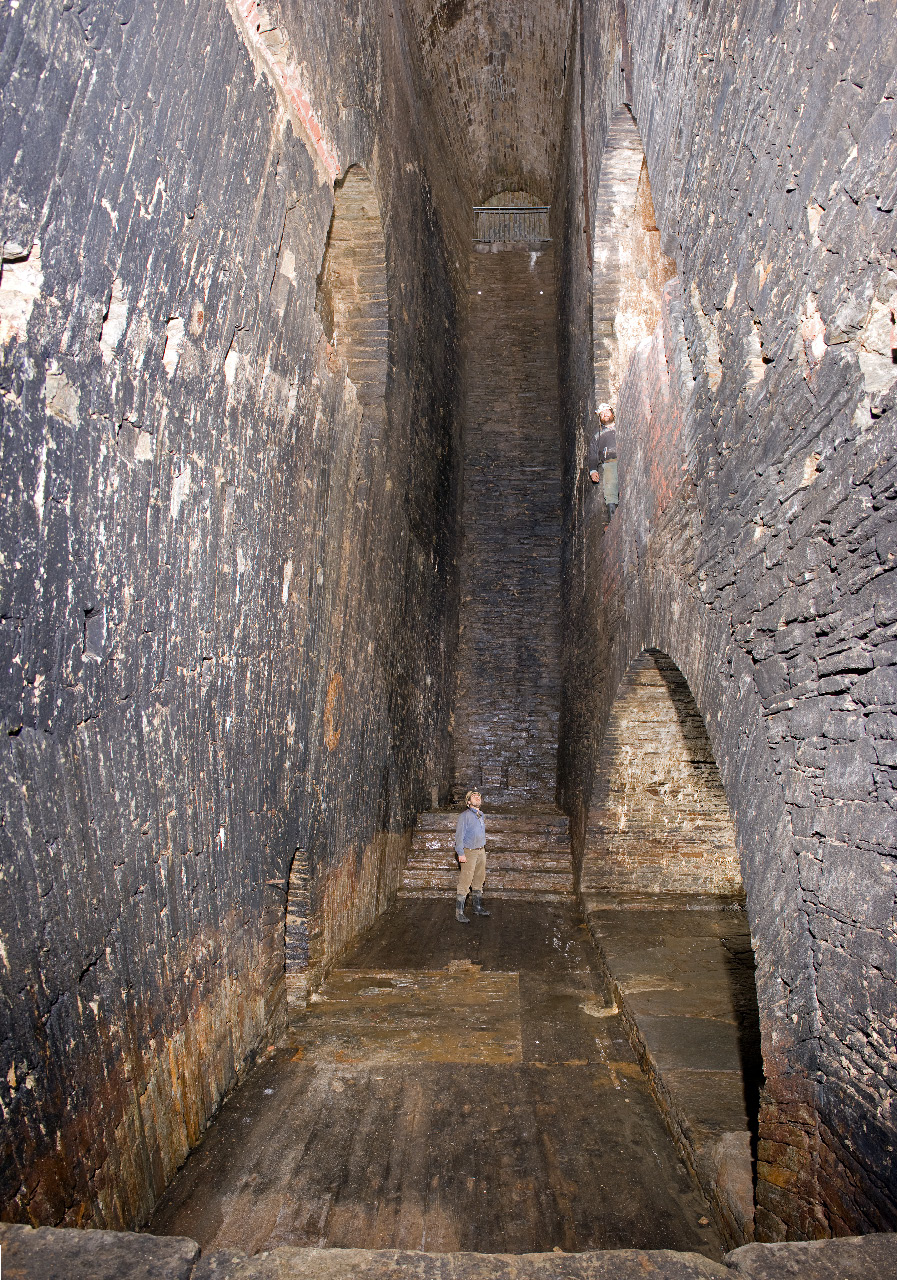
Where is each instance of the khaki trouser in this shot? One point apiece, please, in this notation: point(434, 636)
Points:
point(473, 872)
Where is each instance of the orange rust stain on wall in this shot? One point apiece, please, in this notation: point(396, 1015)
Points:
point(333, 712)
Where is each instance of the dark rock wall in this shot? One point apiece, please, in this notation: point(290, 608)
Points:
point(226, 622)
point(754, 541)
point(506, 703)
point(593, 93)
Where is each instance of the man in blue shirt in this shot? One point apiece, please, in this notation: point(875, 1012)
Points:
point(470, 850)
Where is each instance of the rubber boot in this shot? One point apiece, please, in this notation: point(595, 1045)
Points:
point(459, 912)
point(478, 908)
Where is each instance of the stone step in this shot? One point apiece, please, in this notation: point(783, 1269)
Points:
point(558, 882)
point(549, 882)
point(522, 821)
point(553, 886)
point(497, 860)
point(528, 855)
point(523, 842)
point(498, 854)
point(528, 894)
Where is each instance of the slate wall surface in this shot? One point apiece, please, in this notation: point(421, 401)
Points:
point(194, 556)
point(755, 539)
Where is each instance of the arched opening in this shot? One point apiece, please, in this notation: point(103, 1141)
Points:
point(630, 270)
point(328, 906)
point(661, 880)
point(352, 300)
point(659, 822)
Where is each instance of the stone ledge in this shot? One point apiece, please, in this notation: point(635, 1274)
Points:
point(389, 1264)
point(691, 1046)
point(49, 1253)
point(64, 1253)
point(872, 1257)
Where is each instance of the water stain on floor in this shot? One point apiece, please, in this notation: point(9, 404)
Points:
point(458, 1014)
point(453, 1089)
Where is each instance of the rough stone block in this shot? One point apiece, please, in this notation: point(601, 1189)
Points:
point(872, 1257)
point(48, 1253)
point(357, 1264)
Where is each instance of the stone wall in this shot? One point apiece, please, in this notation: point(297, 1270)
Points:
point(754, 542)
point(227, 620)
point(508, 686)
point(658, 819)
point(496, 73)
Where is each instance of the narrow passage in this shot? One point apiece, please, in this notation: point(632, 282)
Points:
point(450, 1090)
point(509, 648)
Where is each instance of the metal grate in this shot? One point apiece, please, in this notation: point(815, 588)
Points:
point(527, 224)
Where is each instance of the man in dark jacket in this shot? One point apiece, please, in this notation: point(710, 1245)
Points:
point(470, 850)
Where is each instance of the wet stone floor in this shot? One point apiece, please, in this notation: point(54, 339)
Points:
point(452, 1088)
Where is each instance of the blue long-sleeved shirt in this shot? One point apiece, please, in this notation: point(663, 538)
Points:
point(470, 833)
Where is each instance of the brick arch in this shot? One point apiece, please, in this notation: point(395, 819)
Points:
point(324, 911)
point(629, 265)
point(668, 616)
point(659, 821)
point(352, 301)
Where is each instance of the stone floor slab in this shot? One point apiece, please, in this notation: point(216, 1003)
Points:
point(458, 1014)
point(337, 1141)
point(691, 1044)
point(713, 1101)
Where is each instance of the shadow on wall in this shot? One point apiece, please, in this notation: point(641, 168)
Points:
point(741, 972)
point(659, 821)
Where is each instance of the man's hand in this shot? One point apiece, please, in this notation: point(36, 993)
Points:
point(461, 857)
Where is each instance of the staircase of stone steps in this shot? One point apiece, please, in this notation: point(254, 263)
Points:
point(528, 856)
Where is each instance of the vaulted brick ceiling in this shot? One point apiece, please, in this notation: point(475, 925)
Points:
point(496, 71)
